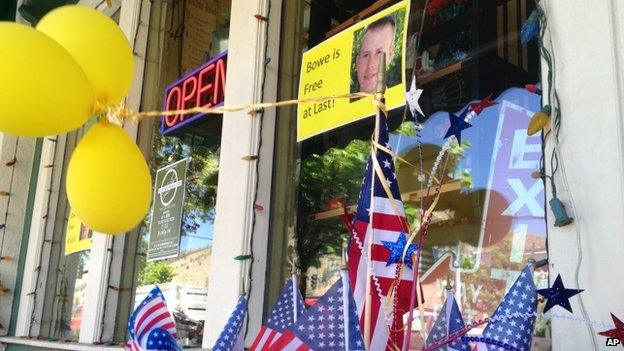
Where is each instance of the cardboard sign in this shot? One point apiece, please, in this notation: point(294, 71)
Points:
point(348, 63)
point(78, 237)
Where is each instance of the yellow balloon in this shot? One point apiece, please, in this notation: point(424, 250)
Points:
point(108, 181)
point(43, 91)
point(98, 45)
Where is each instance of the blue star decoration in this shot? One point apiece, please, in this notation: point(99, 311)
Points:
point(458, 124)
point(396, 250)
point(558, 295)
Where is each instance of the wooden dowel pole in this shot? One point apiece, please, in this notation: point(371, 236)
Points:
point(380, 90)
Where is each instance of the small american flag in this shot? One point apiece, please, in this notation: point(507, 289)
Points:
point(389, 229)
point(288, 308)
point(449, 321)
point(230, 338)
point(151, 326)
point(331, 324)
point(511, 325)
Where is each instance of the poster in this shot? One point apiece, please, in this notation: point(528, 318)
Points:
point(78, 237)
point(348, 63)
point(200, 20)
point(166, 219)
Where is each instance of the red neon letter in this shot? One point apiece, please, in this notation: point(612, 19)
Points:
point(171, 120)
point(186, 94)
point(204, 88)
point(219, 82)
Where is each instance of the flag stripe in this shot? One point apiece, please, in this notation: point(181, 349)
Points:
point(145, 318)
point(379, 217)
point(151, 323)
point(260, 339)
point(264, 339)
point(381, 333)
point(154, 322)
point(284, 341)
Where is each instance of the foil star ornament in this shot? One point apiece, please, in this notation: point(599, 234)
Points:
point(396, 250)
point(478, 107)
point(617, 332)
point(458, 123)
point(412, 97)
point(558, 295)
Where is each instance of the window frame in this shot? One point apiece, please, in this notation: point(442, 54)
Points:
point(107, 252)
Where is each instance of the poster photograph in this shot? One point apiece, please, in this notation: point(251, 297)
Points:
point(349, 63)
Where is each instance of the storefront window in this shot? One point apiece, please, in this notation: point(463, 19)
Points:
point(184, 278)
point(197, 31)
point(489, 221)
point(65, 255)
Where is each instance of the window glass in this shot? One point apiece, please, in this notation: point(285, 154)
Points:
point(65, 255)
point(184, 279)
point(196, 31)
point(489, 220)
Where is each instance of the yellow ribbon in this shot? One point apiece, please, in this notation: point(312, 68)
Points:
point(392, 153)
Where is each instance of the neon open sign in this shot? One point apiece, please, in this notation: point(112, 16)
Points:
point(203, 87)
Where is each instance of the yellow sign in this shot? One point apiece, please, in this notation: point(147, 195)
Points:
point(78, 237)
point(348, 63)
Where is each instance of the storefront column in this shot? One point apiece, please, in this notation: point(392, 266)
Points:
point(98, 321)
point(236, 229)
point(590, 84)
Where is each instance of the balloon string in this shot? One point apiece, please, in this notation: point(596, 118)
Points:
point(122, 113)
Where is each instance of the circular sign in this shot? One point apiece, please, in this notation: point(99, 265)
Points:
point(169, 187)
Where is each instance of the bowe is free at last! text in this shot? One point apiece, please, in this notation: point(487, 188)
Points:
point(317, 85)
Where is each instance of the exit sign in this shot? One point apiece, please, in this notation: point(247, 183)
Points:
point(202, 87)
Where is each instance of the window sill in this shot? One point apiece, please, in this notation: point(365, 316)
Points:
point(56, 344)
point(64, 345)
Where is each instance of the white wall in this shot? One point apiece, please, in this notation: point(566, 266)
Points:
point(589, 50)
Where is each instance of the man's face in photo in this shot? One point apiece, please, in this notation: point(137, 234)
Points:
point(374, 42)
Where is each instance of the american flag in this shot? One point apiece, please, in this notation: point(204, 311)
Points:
point(511, 325)
point(387, 227)
point(288, 308)
point(151, 326)
point(231, 338)
point(449, 321)
point(331, 324)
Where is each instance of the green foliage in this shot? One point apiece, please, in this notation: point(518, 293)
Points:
point(201, 188)
point(336, 174)
point(456, 153)
point(407, 128)
point(156, 272)
point(393, 75)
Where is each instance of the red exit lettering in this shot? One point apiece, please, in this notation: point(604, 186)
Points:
point(204, 87)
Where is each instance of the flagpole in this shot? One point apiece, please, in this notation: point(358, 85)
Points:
point(294, 292)
point(345, 295)
point(379, 97)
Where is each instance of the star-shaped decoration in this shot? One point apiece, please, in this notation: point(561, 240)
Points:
point(478, 107)
point(558, 295)
point(458, 123)
point(396, 250)
point(617, 332)
point(412, 97)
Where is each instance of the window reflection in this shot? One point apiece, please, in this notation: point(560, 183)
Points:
point(489, 220)
point(184, 279)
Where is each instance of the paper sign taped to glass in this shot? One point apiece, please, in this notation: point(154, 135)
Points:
point(78, 237)
point(348, 63)
point(167, 211)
